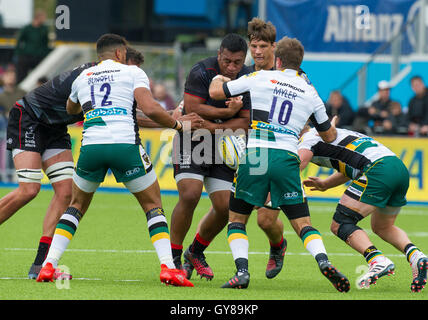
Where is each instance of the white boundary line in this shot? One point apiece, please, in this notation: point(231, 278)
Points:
point(348, 254)
point(345, 254)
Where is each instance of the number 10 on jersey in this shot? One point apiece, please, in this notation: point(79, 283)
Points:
point(284, 111)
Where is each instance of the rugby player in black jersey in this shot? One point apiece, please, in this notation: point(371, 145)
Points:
point(37, 136)
point(192, 175)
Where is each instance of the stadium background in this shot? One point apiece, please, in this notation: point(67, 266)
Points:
point(350, 46)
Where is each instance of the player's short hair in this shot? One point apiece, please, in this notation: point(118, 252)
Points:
point(290, 51)
point(261, 30)
point(234, 43)
point(134, 55)
point(108, 42)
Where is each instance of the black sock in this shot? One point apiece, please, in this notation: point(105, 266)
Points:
point(199, 245)
point(42, 251)
point(241, 264)
point(177, 251)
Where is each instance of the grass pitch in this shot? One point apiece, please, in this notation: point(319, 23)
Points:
point(111, 257)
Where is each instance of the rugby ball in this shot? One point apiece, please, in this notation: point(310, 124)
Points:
point(232, 149)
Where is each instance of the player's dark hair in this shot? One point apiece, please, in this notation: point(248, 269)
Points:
point(108, 42)
point(134, 55)
point(234, 43)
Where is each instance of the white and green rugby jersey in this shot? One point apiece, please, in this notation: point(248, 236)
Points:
point(106, 94)
point(351, 153)
point(281, 103)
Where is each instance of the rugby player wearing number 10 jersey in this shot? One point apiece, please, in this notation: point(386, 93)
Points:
point(281, 103)
point(106, 94)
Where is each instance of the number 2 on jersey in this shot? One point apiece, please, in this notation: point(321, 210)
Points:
point(283, 116)
point(105, 87)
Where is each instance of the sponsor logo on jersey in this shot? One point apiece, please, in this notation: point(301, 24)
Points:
point(102, 72)
point(285, 84)
point(271, 127)
point(104, 76)
point(30, 137)
point(103, 112)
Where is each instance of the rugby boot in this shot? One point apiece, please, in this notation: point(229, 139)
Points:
point(276, 261)
point(46, 274)
point(58, 274)
point(419, 270)
point(240, 280)
point(339, 281)
point(188, 269)
point(199, 263)
point(34, 271)
point(377, 268)
point(174, 277)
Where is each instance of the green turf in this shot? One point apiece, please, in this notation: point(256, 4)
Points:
point(111, 257)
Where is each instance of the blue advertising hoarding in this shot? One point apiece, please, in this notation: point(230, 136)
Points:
point(351, 26)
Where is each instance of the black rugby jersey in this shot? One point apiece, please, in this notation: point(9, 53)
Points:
point(48, 102)
point(199, 79)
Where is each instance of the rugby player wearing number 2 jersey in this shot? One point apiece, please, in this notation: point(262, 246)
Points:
point(37, 136)
point(281, 103)
point(106, 94)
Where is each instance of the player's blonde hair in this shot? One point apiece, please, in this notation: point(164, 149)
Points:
point(290, 51)
point(261, 30)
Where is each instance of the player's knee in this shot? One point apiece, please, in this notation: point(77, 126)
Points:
point(29, 183)
point(265, 222)
point(334, 227)
point(347, 220)
point(222, 209)
point(189, 197)
point(63, 195)
point(28, 191)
